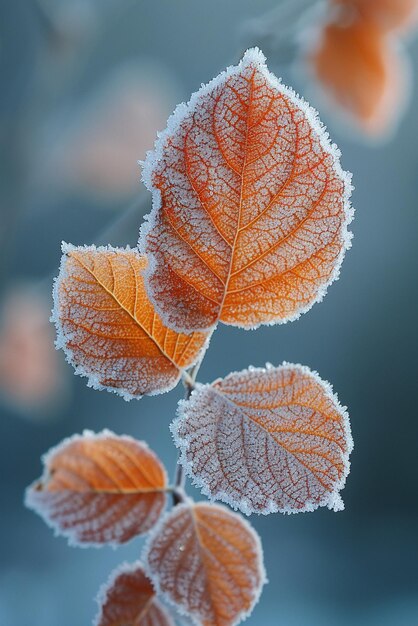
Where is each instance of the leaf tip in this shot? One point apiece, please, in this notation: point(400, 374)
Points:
point(254, 56)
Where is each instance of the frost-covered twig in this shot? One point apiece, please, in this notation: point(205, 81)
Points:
point(189, 379)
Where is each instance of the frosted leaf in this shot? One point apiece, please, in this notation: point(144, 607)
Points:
point(250, 205)
point(208, 562)
point(362, 72)
point(266, 440)
point(109, 329)
point(100, 488)
point(128, 599)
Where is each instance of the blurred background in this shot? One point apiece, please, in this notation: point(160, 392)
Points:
point(85, 85)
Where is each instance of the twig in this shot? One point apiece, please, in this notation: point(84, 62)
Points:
point(179, 492)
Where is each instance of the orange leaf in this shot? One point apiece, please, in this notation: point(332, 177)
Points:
point(208, 562)
point(386, 14)
point(128, 599)
point(32, 377)
point(250, 205)
point(266, 440)
point(100, 488)
point(108, 327)
point(363, 72)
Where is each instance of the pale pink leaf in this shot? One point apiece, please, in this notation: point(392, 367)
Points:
point(266, 440)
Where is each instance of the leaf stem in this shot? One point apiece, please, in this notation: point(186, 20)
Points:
point(179, 491)
point(188, 383)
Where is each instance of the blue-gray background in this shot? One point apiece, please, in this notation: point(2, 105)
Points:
point(358, 567)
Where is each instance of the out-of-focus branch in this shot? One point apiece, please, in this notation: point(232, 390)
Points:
point(125, 229)
point(276, 32)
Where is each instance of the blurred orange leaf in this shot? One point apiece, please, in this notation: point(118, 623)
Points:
point(108, 327)
point(100, 488)
point(93, 146)
point(32, 378)
point(266, 440)
point(362, 70)
point(250, 205)
point(128, 599)
point(386, 14)
point(208, 562)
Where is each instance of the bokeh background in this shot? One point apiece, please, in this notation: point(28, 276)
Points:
point(84, 87)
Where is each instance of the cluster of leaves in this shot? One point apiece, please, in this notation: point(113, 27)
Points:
point(359, 60)
point(248, 227)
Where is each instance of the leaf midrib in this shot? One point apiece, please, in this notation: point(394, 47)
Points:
point(268, 433)
point(203, 553)
point(110, 293)
point(238, 228)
